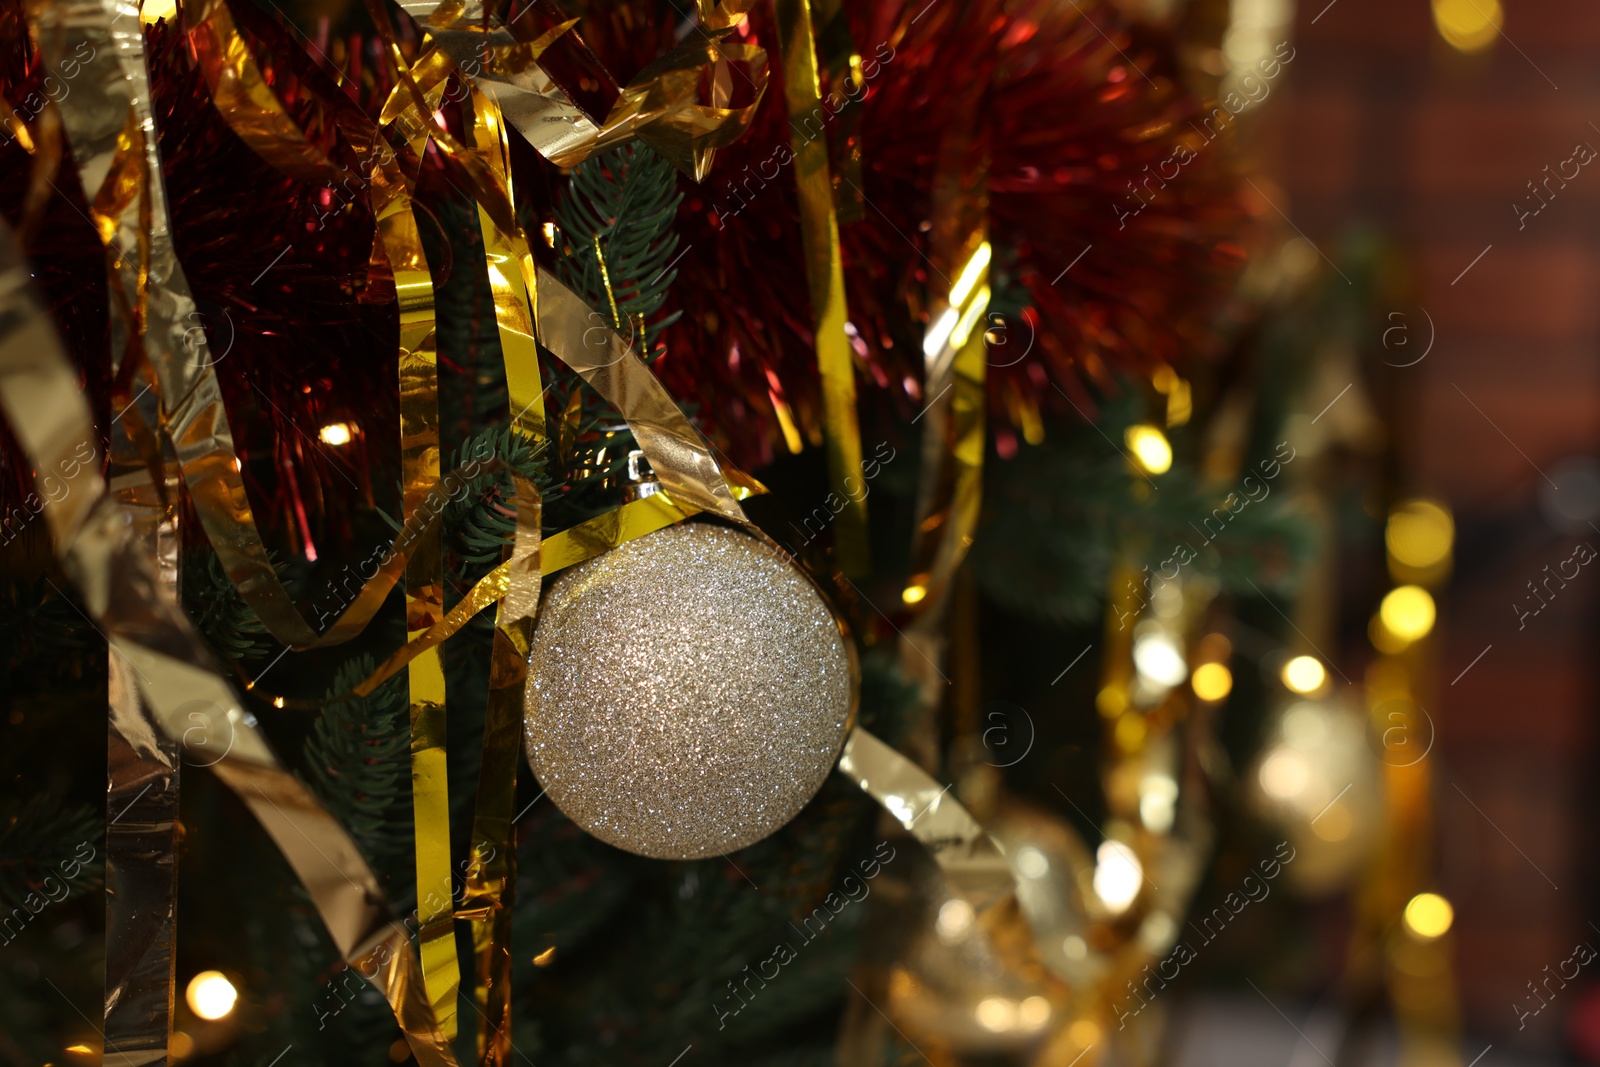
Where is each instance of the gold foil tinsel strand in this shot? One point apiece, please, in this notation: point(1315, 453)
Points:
point(660, 105)
point(181, 686)
point(491, 874)
point(195, 420)
point(112, 135)
point(819, 231)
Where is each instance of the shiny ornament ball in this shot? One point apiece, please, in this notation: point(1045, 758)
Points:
point(688, 692)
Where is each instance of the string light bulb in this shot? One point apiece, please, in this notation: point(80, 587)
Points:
point(336, 434)
point(1150, 448)
point(1211, 681)
point(1429, 916)
point(1408, 612)
point(210, 995)
point(1304, 674)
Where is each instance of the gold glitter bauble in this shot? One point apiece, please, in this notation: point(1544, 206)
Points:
point(687, 693)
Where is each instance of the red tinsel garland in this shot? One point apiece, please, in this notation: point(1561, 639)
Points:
point(1083, 117)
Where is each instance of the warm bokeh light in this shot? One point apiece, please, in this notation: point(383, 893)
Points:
point(335, 433)
point(1212, 681)
point(1428, 915)
point(913, 594)
point(1333, 824)
point(1117, 875)
point(955, 920)
point(1304, 674)
point(1033, 1013)
point(1284, 774)
point(1382, 639)
point(1031, 863)
point(1420, 534)
point(1180, 398)
point(1158, 801)
point(1159, 660)
point(153, 11)
point(1468, 25)
point(1407, 612)
point(1130, 731)
point(997, 1013)
point(211, 995)
point(1150, 448)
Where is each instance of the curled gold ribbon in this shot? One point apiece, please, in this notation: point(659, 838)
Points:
point(563, 322)
point(238, 90)
point(678, 453)
point(660, 105)
point(953, 436)
point(819, 231)
point(491, 873)
point(143, 768)
point(105, 125)
point(109, 123)
point(954, 359)
point(182, 690)
point(109, 126)
point(252, 110)
point(971, 860)
point(680, 456)
point(143, 774)
point(571, 330)
point(516, 582)
point(424, 588)
point(398, 243)
point(574, 333)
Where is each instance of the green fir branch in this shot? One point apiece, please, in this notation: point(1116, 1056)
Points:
point(615, 223)
point(41, 840)
point(481, 521)
point(41, 626)
point(620, 207)
point(1050, 554)
point(358, 766)
point(220, 612)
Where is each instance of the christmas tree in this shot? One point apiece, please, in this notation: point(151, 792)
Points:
point(926, 329)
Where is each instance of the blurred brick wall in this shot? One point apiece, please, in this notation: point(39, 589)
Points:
point(1381, 122)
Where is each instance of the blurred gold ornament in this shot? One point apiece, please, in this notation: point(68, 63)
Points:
point(1055, 875)
point(1012, 980)
point(687, 692)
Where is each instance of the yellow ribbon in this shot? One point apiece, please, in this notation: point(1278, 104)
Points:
point(491, 873)
point(819, 231)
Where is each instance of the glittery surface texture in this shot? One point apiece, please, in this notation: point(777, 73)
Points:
point(687, 693)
